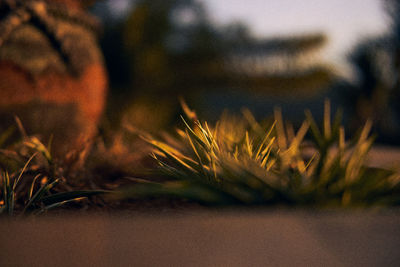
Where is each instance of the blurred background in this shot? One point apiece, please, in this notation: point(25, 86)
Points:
point(258, 54)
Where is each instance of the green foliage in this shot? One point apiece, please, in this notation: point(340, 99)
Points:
point(241, 162)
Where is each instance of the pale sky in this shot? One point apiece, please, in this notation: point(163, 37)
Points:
point(344, 21)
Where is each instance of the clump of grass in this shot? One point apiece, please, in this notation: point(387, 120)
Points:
point(29, 187)
point(241, 162)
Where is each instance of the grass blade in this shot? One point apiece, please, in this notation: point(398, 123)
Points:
point(39, 194)
point(67, 196)
point(23, 170)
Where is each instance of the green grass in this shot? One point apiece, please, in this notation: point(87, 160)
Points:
point(239, 161)
point(235, 162)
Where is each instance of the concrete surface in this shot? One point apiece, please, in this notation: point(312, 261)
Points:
point(234, 238)
point(384, 156)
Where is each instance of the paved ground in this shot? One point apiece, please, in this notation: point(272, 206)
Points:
point(385, 156)
point(256, 238)
point(262, 238)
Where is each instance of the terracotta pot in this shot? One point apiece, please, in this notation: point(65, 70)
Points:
point(52, 74)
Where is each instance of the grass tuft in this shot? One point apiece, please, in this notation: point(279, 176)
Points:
point(40, 196)
point(239, 161)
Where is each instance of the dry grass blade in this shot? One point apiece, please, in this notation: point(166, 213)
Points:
point(22, 171)
point(38, 146)
point(327, 120)
point(33, 185)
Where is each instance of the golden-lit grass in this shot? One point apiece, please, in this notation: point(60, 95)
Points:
point(238, 161)
point(30, 177)
point(241, 162)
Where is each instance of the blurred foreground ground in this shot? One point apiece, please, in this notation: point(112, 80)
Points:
point(225, 238)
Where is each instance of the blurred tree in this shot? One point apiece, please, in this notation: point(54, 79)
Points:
point(376, 93)
point(371, 97)
point(171, 45)
point(281, 65)
point(169, 48)
point(172, 49)
point(393, 9)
